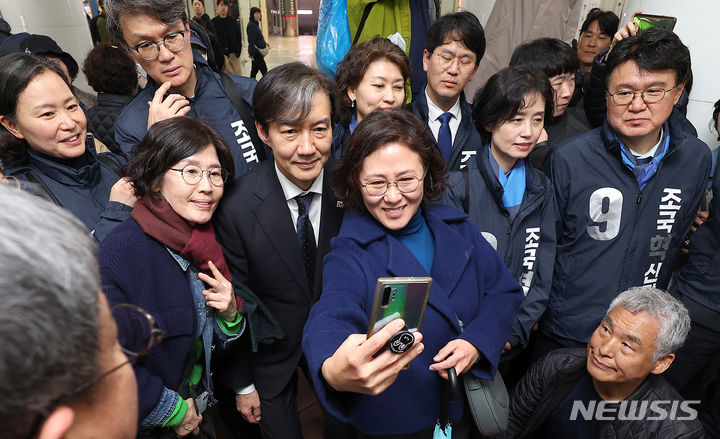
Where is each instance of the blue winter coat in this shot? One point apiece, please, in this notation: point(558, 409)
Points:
point(470, 283)
point(209, 104)
point(699, 278)
point(612, 235)
point(85, 192)
point(526, 243)
point(467, 141)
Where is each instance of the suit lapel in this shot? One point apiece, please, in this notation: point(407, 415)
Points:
point(273, 216)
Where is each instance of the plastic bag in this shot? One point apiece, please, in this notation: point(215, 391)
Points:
point(333, 37)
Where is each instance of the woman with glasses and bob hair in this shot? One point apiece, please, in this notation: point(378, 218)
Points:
point(45, 146)
point(165, 259)
point(389, 178)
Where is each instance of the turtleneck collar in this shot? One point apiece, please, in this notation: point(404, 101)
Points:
point(415, 224)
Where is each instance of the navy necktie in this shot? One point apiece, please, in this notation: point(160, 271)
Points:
point(444, 135)
point(305, 235)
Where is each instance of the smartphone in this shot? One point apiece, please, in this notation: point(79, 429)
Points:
point(399, 297)
point(647, 21)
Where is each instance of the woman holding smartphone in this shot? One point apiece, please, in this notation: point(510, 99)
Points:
point(390, 175)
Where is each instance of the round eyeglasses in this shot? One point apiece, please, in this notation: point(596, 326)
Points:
point(149, 50)
point(445, 60)
point(137, 330)
point(192, 174)
point(377, 188)
point(650, 96)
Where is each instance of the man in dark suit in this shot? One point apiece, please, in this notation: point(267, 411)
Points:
point(275, 226)
point(454, 46)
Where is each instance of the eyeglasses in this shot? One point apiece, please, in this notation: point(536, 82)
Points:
point(650, 96)
point(377, 188)
point(149, 50)
point(445, 60)
point(138, 333)
point(192, 174)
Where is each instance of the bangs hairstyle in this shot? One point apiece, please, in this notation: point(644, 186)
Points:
point(607, 22)
point(352, 69)
point(504, 95)
point(167, 12)
point(463, 27)
point(381, 128)
point(166, 143)
point(286, 93)
point(652, 50)
point(16, 72)
point(549, 55)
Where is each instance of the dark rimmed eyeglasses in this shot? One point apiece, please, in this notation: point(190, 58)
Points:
point(650, 96)
point(138, 333)
point(149, 50)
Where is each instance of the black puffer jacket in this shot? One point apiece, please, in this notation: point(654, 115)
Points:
point(551, 379)
point(101, 118)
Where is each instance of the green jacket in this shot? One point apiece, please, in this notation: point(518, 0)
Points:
point(386, 18)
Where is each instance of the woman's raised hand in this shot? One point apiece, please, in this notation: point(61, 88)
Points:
point(220, 295)
point(352, 367)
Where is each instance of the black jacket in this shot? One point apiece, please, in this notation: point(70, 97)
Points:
point(228, 32)
point(550, 380)
point(101, 118)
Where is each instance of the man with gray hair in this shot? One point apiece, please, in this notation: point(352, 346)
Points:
point(275, 227)
point(62, 371)
point(156, 33)
point(612, 388)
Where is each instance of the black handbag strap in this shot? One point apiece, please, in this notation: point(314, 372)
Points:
point(361, 26)
point(241, 106)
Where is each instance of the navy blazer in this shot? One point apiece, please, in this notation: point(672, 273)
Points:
point(470, 284)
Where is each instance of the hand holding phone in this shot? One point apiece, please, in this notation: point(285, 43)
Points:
point(356, 367)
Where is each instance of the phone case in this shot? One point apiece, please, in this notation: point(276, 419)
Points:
point(399, 297)
point(648, 21)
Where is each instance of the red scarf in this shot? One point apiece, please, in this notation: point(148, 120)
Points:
point(197, 244)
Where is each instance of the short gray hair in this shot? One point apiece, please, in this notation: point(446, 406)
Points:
point(168, 12)
point(671, 314)
point(286, 93)
point(49, 287)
